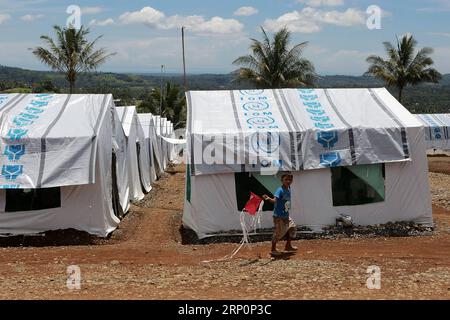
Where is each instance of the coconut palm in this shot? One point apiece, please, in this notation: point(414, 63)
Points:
point(404, 66)
point(71, 53)
point(273, 64)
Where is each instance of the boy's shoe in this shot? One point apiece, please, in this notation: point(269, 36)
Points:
point(275, 253)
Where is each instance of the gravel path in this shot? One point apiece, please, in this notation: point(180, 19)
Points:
point(440, 189)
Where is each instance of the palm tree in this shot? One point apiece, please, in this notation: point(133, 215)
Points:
point(404, 66)
point(173, 104)
point(71, 53)
point(273, 65)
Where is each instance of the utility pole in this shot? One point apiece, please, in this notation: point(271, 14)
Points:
point(161, 92)
point(184, 61)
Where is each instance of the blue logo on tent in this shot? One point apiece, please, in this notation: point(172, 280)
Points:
point(21, 122)
point(33, 110)
point(327, 138)
point(16, 134)
point(329, 160)
point(14, 152)
point(11, 172)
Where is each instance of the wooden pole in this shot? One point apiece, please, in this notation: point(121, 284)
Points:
point(184, 61)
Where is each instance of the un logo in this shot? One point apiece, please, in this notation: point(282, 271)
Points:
point(267, 142)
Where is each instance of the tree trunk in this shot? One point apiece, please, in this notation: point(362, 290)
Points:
point(400, 94)
point(71, 77)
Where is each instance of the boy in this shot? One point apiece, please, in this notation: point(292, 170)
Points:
point(283, 224)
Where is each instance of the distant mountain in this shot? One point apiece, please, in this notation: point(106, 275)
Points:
point(200, 81)
point(133, 87)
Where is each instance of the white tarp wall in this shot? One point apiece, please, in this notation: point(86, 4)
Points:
point(63, 142)
point(158, 121)
point(148, 126)
point(160, 131)
point(437, 130)
point(139, 167)
point(316, 130)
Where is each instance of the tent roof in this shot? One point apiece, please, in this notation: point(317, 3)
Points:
point(56, 115)
point(127, 118)
point(147, 122)
point(437, 130)
point(47, 138)
point(312, 126)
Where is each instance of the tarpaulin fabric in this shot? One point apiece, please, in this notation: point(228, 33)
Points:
point(294, 129)
point(49, 140)
point(437, 130)
point(65, 142)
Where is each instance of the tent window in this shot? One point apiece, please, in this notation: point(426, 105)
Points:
point(32, 199)
point(362, 184)
point(245, 183)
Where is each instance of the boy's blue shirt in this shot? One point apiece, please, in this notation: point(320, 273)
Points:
point(282, 203)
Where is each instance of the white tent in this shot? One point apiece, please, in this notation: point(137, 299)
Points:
point(352, 151)
point(148, 124)
point(170, 135)
point(137, 149)
point(437, 130)
point(160, 133)
point(56, 170)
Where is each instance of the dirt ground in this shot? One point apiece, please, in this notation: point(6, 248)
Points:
point(145, 259)
point(439, 164)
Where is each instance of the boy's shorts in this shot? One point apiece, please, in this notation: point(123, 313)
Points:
point(282, 226)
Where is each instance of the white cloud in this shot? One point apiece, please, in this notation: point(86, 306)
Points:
point(245, 11)
point(318, 3)
point(214, 55)
point(4, 17)
point(156, 19)
point(101, 23)
point(311, 20)
point(32, 17)
point(91, 10)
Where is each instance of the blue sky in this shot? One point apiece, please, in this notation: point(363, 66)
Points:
point(146, 34)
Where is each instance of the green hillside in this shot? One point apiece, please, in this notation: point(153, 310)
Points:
point(131, 88)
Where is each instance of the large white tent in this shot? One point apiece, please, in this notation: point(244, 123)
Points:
point(352, 151)
point(139, 175)
point(56, 170)
point(437, 130)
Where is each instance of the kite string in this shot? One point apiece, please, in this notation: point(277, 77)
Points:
point(246, 231)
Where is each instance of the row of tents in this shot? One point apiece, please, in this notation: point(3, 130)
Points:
point(75, 161)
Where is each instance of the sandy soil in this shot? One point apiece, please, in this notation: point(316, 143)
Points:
point(145, 259)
